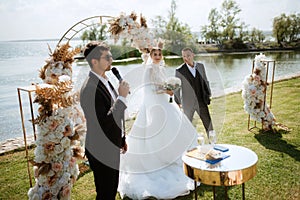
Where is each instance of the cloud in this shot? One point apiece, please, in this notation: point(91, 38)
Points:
point(35, 19)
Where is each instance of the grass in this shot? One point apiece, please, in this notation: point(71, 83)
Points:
point(278, 175)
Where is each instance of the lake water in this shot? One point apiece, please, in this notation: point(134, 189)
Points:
point(20, 63)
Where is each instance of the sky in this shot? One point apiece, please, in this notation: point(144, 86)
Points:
point(50, 19)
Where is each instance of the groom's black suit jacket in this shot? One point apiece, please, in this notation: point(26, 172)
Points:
point(103, 119)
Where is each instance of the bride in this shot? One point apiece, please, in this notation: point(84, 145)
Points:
point(161, 133)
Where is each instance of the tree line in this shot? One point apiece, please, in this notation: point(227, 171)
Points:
point(224, 29)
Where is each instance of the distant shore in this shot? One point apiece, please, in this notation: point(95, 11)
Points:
point(80, 58)
point(251, 50)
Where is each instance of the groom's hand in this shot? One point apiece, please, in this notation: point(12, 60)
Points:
point(123, 89)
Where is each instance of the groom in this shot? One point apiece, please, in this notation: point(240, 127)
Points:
point(104, 112)
point(195, 92)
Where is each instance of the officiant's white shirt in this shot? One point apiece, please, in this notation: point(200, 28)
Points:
point(192, 69)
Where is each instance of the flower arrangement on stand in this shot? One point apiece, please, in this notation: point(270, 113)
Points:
point(254, 94)
point(60, 128)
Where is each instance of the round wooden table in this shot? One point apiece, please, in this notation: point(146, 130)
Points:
point(237, 169)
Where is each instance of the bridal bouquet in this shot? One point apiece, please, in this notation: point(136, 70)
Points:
point(171, 84)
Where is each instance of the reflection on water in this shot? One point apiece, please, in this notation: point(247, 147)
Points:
point(285, 56)
point(21, 61)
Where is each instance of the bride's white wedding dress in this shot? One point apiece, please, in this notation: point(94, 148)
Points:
point(161, 133)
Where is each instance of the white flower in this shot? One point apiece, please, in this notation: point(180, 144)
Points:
point(55, 190)
point(39, 154)
point(33, 193)
point(65, 142)
point(42, 179)
point(64, 78)
point(58, 149)
point(68, 154)
point(64, 179)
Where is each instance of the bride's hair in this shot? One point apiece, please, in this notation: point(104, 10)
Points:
point(152, 50)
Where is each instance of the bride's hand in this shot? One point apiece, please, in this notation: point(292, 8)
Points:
point(124, 148)
point(169, 92)
point(160, 91)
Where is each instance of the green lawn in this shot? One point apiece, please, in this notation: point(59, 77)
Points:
point(278, 175)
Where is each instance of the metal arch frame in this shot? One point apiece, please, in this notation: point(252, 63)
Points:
point(85, 25)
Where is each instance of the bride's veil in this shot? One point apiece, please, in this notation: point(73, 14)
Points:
point(135, 78)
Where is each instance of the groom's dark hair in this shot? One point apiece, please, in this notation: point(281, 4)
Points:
point(93, 50)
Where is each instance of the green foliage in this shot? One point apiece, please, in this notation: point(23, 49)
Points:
point(286, 28)
point(234, 44)
point(211, 32)
point(256, 35)
point(176, 34)
point(123, 52)
point(229, 19)
point(225, 26)
point(95, 32)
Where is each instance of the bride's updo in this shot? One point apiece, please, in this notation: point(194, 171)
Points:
point(154, 49)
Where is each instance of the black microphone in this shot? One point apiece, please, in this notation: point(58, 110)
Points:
point(117, 74)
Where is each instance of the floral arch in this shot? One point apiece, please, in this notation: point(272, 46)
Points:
point(60, 122)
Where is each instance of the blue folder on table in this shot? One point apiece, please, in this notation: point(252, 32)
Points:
point(217, 160)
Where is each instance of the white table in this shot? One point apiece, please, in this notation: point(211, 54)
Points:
point(234, 170)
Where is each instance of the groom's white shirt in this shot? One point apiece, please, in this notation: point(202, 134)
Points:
point(105, 82)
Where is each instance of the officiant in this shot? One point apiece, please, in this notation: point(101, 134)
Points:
point(194, 94)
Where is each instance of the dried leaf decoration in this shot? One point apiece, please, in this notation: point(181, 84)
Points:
point(63, 54)
point(60, 58)
point(54, 96)
point(143, 22)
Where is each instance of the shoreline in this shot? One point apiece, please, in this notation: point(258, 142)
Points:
point(17, 143)
point(80, 58)
point(251, 50)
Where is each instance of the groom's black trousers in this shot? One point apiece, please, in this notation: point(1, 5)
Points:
point(106, 179)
